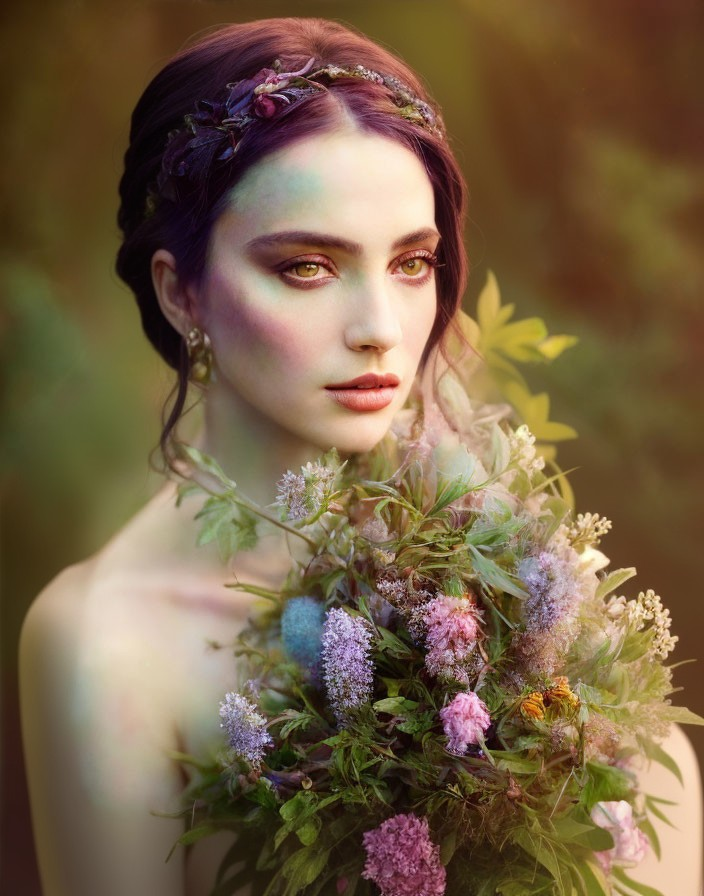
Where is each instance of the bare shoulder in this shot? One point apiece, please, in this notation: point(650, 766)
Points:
point(679, 870)
point(51, 628)
point(99, 684)
point(122, 633)
point(117, 670)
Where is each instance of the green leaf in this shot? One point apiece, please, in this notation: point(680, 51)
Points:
point(680, 715)
point(296, 721)
point(649, 830)
point(308, 832)
point(578, 828)
point(389, 644)
point(303, 867)
point(231, 526)
point(595, 884)
point(294, 807)
point(492, 575)
point(604, 783)
point(651, 804)
point(208, 465)
point(185, 490)
point(195, 834)
point(395, 706)
point(448, 846)
point(392, 686)
point(621, 876)
point(449, 492)
point(543, 851)
point(418, 723)
point(514, 763)
point(655, 752)
point(614, 580)
point(263, 795)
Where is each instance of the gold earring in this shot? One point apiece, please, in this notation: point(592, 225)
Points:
point(200, 356)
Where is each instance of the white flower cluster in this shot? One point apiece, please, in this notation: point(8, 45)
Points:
point(647, 609)
point(523, 453)
point(588, 528)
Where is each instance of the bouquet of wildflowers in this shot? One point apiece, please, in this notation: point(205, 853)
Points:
point(447, 694)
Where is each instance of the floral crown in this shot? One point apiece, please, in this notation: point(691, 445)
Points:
point(211, 134)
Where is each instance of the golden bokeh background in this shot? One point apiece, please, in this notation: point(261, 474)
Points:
point(580, 131)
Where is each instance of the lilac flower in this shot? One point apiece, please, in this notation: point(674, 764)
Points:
point(452, 628)
point(246, 728)
point(551, 587)
point(402, 860)
point(347, 669)
point(301, 631)
point(464, 721)
point(304, 494)
point(630, 843)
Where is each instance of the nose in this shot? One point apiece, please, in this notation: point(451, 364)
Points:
point(374, 324)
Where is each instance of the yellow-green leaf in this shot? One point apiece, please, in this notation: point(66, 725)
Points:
point(554, 346)
point(519, 338)
point(489, 305)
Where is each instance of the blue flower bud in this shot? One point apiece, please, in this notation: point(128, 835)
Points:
point(301, 631)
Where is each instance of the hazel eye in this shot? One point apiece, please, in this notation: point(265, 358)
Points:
point(416, 266)
point(412, 267)
point(306, 269)
point(306, 272)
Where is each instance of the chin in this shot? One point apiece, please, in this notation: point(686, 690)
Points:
point(357, 437)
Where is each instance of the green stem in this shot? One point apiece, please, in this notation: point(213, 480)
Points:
point(232, 496)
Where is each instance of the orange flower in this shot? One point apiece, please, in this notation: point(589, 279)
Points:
point(532, 706)
point(561, 692)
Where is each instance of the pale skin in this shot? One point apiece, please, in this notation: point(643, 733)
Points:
point(312, 279)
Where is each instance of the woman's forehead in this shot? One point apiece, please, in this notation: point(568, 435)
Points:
point(342, 179)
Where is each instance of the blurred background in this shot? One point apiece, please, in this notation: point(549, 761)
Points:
point(580, 129)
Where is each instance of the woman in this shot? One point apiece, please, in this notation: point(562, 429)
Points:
point(292, 233)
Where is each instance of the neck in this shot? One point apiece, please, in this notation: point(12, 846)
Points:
point(251, 448)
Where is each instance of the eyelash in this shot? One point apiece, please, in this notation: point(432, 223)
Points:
point(285, 270)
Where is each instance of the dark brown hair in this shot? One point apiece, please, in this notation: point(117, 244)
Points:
point(184, 226)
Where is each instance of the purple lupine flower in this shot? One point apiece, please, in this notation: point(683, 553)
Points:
point(246, 728)
point(347, 668)
point(452, 628)
point(402, 860)
point(464, 721)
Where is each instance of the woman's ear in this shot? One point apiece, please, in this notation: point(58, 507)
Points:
point(176, 299)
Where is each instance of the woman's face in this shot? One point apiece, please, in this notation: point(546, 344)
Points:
point(319, 291)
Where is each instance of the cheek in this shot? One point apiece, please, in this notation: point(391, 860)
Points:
point(252, 330)
point(421, 326)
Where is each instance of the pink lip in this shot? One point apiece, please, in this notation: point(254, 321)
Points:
point(369, 381)
point(370, 392)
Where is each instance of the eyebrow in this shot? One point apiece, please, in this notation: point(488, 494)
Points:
point(312, 238)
